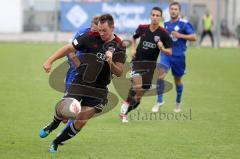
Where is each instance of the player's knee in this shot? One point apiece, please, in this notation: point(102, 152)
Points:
point(162, 72)
point(137, 88)
point(178, 81)
point(138, 98)
point(161, 76)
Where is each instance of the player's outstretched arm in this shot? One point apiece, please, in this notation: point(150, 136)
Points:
point(74, 59)
point(57, 55)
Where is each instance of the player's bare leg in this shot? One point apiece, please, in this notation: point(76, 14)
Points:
point(132, 101)
point(82, 118)
point(73, 129)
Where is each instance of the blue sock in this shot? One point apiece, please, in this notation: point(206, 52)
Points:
point(160, 89)
point(70, 121)
point(179, 90)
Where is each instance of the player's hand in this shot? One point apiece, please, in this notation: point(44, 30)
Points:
point(47, 66)
point(176, 34)
point(160, 45)
point(109, 55)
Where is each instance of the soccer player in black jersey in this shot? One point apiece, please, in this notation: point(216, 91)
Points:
point(153, 39)
point(104, 55)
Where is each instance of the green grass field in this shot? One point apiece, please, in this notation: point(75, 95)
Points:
point(211, 93)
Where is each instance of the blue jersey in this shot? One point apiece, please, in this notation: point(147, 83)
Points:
point(78, 53)
point(184, 27)
point(72, 70)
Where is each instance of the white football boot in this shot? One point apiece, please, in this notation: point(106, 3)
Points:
point(157, 106)
point(177, 108)
point(123, 112)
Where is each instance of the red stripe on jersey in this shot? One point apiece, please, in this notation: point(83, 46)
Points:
point(117, 39)
point(163, 29)
point(144, 26)
point(91, 33)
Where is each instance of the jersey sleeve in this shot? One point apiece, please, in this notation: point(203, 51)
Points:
point(137, 33)
point(188, 29)
point(80, 41)
point(80, 32)
point(120, 55)
point(166, 40)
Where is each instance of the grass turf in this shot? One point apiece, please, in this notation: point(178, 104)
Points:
point(211, 131)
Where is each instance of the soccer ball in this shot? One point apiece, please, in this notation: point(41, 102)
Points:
point(68, 108)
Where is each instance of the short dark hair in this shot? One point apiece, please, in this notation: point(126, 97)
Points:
point(106, 18)
point(158, 9)
point(175, 3)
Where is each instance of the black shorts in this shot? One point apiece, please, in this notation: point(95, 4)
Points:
point(88, 96)
point(146, 70)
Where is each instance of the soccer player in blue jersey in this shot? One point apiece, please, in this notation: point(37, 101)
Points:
point(71, 57)
point(180, 31)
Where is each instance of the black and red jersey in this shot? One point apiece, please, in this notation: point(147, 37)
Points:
point(94, 69)
point(147, 48)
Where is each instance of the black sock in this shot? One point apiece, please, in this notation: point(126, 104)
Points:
point(133, 106)
point(131, 94)
point(53, 125)
point(66, 134)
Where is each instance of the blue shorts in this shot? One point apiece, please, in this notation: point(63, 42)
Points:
point(176, 63)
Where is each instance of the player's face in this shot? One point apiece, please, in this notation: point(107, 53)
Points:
point(105, 31)
point(94, 28)
point(174, 11)
point(156, 17)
